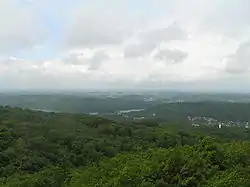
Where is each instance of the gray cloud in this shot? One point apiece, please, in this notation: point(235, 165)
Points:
point(96, 61)
point(157, 36)
point(20, 27)
point(73, 59)
point(92, 32)
point(171, 56)
point(228, 18)
point(7, 60)
point(149, 40)
point(93, 63)
point(137, 50)
point(97, 24)
point(240, 61)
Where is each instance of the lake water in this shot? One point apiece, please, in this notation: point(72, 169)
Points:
point(130, 110)
point(45, 110)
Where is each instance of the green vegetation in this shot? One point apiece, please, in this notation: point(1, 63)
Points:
point(205, 164)
point(75, 103)
point(224, 111)
point(39, 149)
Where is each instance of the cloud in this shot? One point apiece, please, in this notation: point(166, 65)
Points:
point(8, 60)
point(137, 50)
point(96, 61)
point(157, 36)
point(91, 59)
point(29, 74)
point(240, 61)
point(74, 58)
point(229, 18)
point(171, 56)
point(20, 27)
point(149, 40)
point(92, 32)
point(97, 24)
point(124, 44)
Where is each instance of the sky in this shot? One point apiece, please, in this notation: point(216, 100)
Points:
point(125, 44)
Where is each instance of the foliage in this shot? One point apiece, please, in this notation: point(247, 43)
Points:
point(179, 111)
point(40, 149)
point(205, 164)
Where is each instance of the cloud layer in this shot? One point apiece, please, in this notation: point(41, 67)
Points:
point(239, 62)
point(20, 27)
point(164, 44)
point(171, 56)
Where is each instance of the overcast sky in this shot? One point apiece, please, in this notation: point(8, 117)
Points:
point(168, 44)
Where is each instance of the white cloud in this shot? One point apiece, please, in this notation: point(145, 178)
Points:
point(165, 34)
point(138, 50)
point(153, 38)
point(91, 59)
point(107, 44)
point(74, 59)
point(98, 24)
point(240, 61)
point(229, 18)
point(20, 27)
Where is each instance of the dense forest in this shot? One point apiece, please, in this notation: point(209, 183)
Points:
point(170, 112)
point(75, 103)
point(161, 107)
point(41, 149)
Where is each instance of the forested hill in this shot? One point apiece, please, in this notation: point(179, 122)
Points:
point(75, 103)
point(161, 108)
point(224, 111)
point(39, 149)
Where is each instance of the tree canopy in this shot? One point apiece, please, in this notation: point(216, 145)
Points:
point(41, 149)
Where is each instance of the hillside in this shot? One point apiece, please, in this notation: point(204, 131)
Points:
point(224, 111)
point(206, 164)
point(39, 149)
point(84, 103)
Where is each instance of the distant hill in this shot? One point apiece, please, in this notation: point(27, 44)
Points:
point(76, 103)
point(225, 111)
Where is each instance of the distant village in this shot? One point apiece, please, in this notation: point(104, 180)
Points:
point(209, 121)
point(196, 121)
